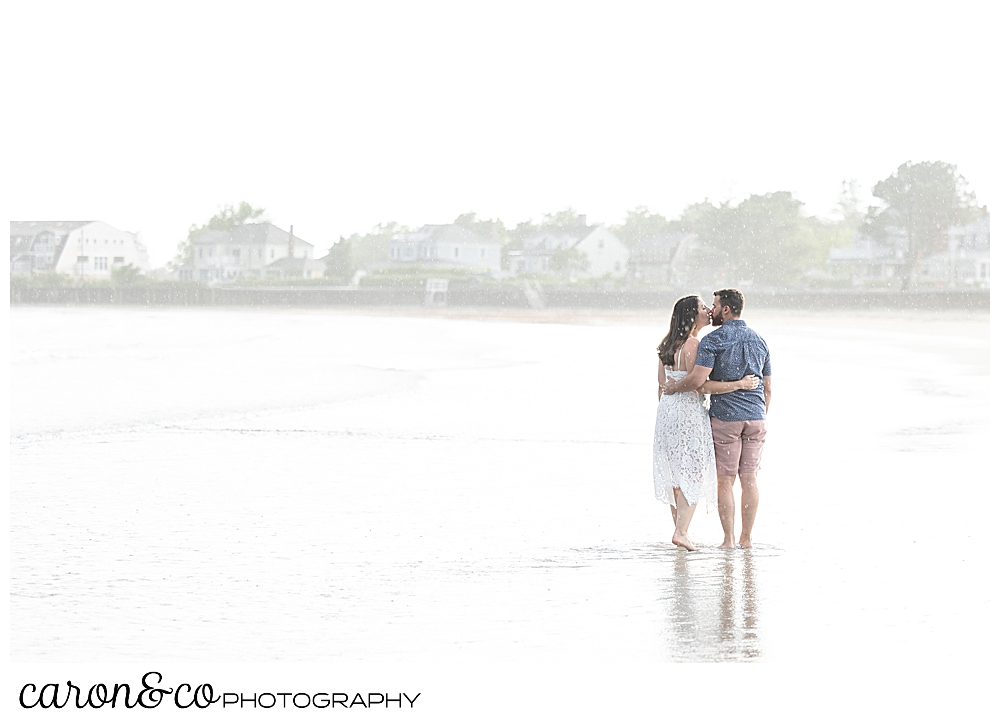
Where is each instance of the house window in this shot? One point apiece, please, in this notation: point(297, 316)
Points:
point(618, 265)
point(82, 259)
point(600, 243)
point(201, 253)
point(236, 254)
point(482, 253)
point(119, 259)
point(456, 252)
point(211, 252)
point(272, 253)
point(101, 263)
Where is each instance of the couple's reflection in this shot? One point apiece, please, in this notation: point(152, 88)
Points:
point(712, 606)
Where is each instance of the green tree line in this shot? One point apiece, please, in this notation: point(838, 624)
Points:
point(766, 238)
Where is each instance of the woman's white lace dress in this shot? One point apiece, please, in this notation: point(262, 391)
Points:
point(683, 451)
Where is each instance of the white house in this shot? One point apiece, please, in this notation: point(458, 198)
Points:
point(250, 250)
point(966, 261)
point(78, 248)
point(660, 259)
point(603, 252)
point(445, 245)
point(868, 260)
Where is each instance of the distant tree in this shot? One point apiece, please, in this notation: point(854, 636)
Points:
point(340, 262)
point(920, 202)
point(569, 261)
point(641, 223)
point(228, 217)
point(127, 275)
point(566, 220)
point(372, 249)
point(715, 227)
point(848, 216)
point(519, 233)
point(493, 229)
point(849, 207)
point(766, 238)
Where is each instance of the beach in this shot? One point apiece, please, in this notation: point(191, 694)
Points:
point(272, 484)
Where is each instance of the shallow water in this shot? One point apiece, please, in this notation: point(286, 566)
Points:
point(281, 484)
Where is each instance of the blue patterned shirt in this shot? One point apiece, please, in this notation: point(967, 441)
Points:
point(732, 351)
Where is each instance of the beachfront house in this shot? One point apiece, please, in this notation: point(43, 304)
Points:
point(964, 260)
point(85, 249)
point(867, 260)
point(661, 259)
point(252, 250)
point(445, 245)
point(580, 251)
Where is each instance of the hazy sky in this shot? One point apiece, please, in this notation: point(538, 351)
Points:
point(337, 117)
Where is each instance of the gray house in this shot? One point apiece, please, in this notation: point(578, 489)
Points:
point(661, 259)
point(250, 250)
point(600, 252)
point(445, 245)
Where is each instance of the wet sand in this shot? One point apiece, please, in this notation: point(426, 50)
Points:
point(462, 485)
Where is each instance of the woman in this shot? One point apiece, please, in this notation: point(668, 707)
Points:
point(683, 452)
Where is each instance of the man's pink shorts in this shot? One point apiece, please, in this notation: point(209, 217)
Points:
point(738, 446)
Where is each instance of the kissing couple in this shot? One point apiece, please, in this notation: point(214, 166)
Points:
point(699, 448)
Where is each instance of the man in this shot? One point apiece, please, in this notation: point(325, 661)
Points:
point(739, 418)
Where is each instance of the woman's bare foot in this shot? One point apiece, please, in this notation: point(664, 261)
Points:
point(745, 543)
point(683, 541)
point(727, 545)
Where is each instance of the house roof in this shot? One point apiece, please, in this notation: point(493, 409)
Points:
point(250, 233)
point(658, 248)
point(557, 238)
point(296, 264)
point(445, 233)
point(662, 241)
point(33, 228)
point(23, 234)
point(211, 237)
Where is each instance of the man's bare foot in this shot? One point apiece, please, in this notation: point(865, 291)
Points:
point(683, 541)
point(746, 544)
point(727, 545)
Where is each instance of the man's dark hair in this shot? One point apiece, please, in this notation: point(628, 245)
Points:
point(733, 298)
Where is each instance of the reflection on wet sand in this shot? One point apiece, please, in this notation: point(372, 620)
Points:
point(711, 606)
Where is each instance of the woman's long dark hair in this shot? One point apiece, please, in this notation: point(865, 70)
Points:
point(681, 323)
